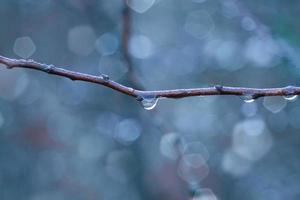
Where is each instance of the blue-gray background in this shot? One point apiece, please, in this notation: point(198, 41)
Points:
point(71, 140)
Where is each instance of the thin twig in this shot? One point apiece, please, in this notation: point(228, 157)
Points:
point(176, 93)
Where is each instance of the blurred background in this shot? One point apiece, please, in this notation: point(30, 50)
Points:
point(72, 140)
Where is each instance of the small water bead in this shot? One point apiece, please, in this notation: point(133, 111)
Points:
point(290, 97)
point(289, 93)
point(148, 102)
point(248, 98)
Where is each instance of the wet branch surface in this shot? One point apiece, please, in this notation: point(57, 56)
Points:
point(251, 93)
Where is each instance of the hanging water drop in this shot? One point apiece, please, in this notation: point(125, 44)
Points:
point(290, 97)
point(289, 93)
point(248, 98)
point(148, 102)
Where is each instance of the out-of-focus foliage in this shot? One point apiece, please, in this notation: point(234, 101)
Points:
point(69, 140)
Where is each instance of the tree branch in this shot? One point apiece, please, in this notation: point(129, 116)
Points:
point(250, 93)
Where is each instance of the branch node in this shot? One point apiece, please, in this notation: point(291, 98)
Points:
point(140, 98)
point(288, 90)
point(49, 68)
point(104, 77)
point(219, 88)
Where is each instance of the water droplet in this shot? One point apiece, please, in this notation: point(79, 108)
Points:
point(290, 97)
point(289, 93)
point(148, 102)
point(248, 98)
